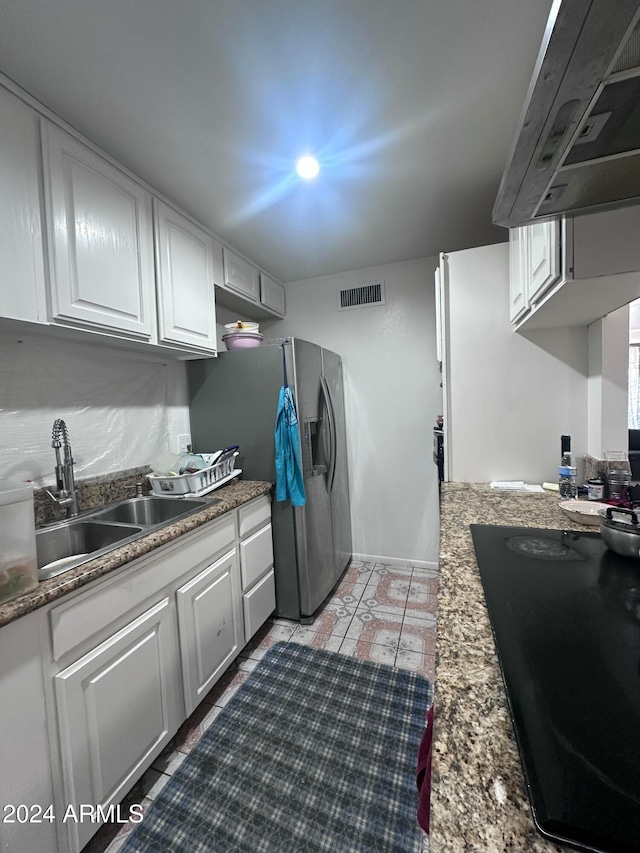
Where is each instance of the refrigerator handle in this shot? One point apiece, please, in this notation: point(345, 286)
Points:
point(332, 433)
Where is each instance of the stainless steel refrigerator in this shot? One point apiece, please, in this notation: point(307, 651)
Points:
point(233, 400)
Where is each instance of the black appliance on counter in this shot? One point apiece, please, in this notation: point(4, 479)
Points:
point(565, 613)
point(438, 452)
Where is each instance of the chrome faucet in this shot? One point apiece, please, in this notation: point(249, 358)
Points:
point(65, 480)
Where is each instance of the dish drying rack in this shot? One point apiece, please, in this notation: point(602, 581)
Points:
point(199, 482)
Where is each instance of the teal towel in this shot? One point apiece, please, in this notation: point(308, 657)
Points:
point(289, 482)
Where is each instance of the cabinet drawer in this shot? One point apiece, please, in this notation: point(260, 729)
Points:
point(76, 621)
point(256, 556)
point(256, 513)
point(258, 605)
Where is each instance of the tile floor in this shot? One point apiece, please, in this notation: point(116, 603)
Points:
point(378, 612)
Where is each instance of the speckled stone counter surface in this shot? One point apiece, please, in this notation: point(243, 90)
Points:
point(234, 494)
point(479, 802)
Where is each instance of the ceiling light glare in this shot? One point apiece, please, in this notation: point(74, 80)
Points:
point(307, 167)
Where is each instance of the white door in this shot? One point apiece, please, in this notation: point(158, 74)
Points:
point(117, 706)
point(211, 628)
point(189, 264)
point(101, 244)
point(518, 272)
point(22, 283)
point(241, 276)
point(544, 258)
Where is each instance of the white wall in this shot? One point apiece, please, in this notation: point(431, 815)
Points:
point(511, 395)
point(120, 408)
point(608, 388)
point(392, 397)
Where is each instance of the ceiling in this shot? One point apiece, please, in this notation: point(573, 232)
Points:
point(410, 106)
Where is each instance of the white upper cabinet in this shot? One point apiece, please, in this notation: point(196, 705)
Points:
point(22, 280)
point(574, 270)
point(188, 266)
point(272, 294)
point(241, 276)
point(100, 235)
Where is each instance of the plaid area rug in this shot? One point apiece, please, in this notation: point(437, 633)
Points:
point(315, 752)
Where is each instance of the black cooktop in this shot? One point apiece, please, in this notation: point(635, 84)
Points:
point(565, 613)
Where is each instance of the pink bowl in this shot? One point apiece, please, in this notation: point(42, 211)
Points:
point(242, 340)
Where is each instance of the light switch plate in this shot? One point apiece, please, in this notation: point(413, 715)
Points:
point(183, 440)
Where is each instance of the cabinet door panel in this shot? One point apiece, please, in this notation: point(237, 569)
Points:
point(256, 556)
point(99, 224)
point(187, 258)
point(22, 294)
point(544, 258)
point(518, 273)
point(240, 276)
point(254, 515)
point(117, 708)
point(210, 620)
point(272, 294)
point(259, 603)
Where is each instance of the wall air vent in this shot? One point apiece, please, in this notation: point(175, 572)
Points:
point(361, 297)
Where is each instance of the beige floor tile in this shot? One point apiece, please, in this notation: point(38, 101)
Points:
point(425, 573)
point(191, 730)
point(169, 762)
point(379, 605)
point(129, 827)
point(153, 782)
point(239, 678)
point(308, 636)
point(334, 619)
point(267, 637)
point(376, 627)
point(417, 662)
point(368, 651)
point(348, 595)
point(419, 639)
point(403, 568)
point(221, 685)
point(420, 619)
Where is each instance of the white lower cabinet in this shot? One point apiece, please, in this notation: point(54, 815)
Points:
point(118, 706)
point(210, 625)
point(100, 682)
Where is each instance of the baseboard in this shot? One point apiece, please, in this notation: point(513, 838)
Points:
point(395, 561)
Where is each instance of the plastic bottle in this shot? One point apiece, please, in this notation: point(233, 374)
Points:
point(567, 479)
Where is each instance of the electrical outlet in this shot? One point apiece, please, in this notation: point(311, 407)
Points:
point(183, 441)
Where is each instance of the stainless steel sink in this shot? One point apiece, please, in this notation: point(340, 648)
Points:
point(69, 543)
point(66, 544)
point(150, 510)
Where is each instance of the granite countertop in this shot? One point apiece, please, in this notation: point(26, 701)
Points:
point(232, 495)
point(479, 801)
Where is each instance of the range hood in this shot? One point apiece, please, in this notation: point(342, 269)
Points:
point(578, 141)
